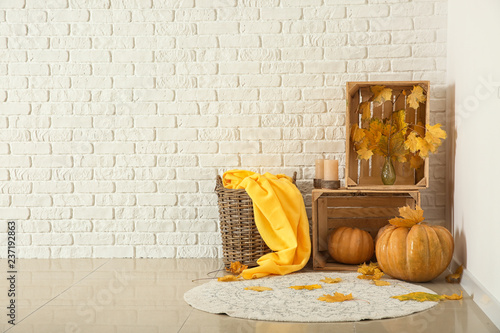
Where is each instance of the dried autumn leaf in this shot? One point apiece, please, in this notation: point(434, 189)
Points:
point(357, 133)
point(454, 297)
point(236, 268)
point(381, 94)
point(416, 97)
point(364, 153)
point(434, 135)
point(375, 276)
point(416, 161)
point(228, 278)
point(337, 297)
point(409, 217)
point(364, 109)
point(368, 269)
point(425, 147)
point(308, 287)
point(330, 280)
point(399, 120)
point(457, 276)
point(419, 296)
point(370, 272)
point(411, 142)
point(381, 283)
point(258, 288)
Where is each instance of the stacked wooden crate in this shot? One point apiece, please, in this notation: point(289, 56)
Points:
point(365, 202)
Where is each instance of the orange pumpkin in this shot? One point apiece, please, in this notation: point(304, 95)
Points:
point(416, 254)
point(350, 245)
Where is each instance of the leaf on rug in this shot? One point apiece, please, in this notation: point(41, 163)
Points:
point(258, 288)
point(228, 278)
point(419, 296)
point(381, 283)
point(308, 287)
point(370, 272)
point(331, 280)
point(236, 268)
point(337, 297)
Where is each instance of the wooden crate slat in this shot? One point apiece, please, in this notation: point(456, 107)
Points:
point(341, 212)
point(365, 201)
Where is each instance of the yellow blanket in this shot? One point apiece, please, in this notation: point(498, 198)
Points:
point(281, 219)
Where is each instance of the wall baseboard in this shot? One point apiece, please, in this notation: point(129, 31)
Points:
point(480, 295)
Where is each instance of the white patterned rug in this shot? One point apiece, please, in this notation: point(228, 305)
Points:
point(286, 304)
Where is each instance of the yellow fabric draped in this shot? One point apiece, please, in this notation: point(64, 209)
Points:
point(280, 216)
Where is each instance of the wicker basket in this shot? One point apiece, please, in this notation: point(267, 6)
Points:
point(241, 241)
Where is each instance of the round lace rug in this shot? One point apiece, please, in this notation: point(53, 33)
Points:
point(286, 304)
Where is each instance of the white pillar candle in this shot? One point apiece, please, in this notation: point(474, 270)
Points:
point(320, 169)
point(331, 170)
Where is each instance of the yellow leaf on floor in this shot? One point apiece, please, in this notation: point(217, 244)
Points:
point(419, 296)
point(258, 288)
point(228, 278)
point(236, 268)
point(454, 296)
point(337, 297)
point(457, 276)
point(330, 280)
point(308, 287)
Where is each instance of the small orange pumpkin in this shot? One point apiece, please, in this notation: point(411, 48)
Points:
point(350, 245)
point(413, 251)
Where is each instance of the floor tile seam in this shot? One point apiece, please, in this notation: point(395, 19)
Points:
point(185, 321)
point(59, 294)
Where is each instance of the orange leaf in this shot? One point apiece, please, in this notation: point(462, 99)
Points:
point(236, 268)
point(381, 283)
point(330, 280)
point(454, 297)
point(381, 94)
point(416, 97)
point(419, 296)
point(308, 287)
point(364, 109)
point(457, 276)
point(337, 297)
point(370, 272)
point(410, 217)
point(228, 278)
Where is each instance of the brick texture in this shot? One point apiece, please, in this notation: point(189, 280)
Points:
point(116, 116)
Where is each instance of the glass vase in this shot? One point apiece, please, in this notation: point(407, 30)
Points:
point(388, 172)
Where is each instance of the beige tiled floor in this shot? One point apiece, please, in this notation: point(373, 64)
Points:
point(146, 295)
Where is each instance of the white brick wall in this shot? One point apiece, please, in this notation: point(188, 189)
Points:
point(116, 115)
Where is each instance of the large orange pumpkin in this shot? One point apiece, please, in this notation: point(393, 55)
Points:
point(350, 245)
point(416, 254)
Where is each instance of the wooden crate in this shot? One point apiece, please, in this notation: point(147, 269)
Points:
point(365, 174)
point(367, 210)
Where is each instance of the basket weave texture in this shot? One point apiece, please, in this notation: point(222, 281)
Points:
point(241, 240)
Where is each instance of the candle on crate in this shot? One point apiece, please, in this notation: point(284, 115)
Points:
point(331, 170)
point(320, 169)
